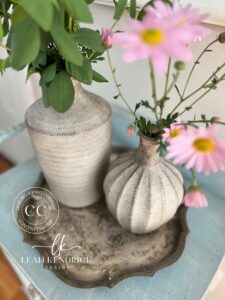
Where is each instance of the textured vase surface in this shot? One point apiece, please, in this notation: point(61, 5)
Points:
point(142, 189)
point(73, 148)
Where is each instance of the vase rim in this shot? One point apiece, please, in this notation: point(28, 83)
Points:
point(145, 137)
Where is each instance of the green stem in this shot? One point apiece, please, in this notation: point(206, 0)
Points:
point(153, 83)
point(70, 24)
point(117, 84)
point(114, 24)
point(165, 89)
point(195, 64)
point(205, 93)
point(91, 56)
point(5, 47)
point(202, 121)
point(198, 89)
point(194, 102)
point(194, 178)
point(176, 76)
point(5, 13)
point(167, 78)
point(205, 83)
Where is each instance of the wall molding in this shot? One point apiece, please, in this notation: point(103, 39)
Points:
point(215, 7)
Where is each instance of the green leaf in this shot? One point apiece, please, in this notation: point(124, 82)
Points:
point(44, 88)
point(45, 40)
point(133, 8)
point(41, 59)
point(60, 92)
point(77, 9)
point(48, 74)
point(142, 12)
point(1, 31)
point(89, 38)
point(55, 3)
point(30, 71)
point(18, 15)
point(83, 74)
point(5, 26)
point(40, 10)
point(120, 8)
point(25, 43)
point(98, 77)
point(65, 43)
point(89, 1)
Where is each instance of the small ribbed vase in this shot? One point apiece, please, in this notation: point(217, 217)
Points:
point(73, 148)
point(142, 189)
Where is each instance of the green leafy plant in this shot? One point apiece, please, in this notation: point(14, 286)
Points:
point(46, 37)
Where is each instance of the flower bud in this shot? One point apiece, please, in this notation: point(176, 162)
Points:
point(179, 65)
point(107, 36)
point(131, 130)
point(221, 38)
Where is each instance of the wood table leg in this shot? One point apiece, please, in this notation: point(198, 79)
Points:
point(10, 286)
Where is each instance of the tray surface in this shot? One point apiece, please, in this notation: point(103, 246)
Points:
point(107, 253)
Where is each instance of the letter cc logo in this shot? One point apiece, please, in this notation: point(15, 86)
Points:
point(35, 210)
point(30, 210)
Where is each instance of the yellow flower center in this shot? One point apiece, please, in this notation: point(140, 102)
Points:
point(204, 145)
point(152, 36)
point(174, 133)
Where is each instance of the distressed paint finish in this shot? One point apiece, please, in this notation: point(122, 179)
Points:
point(143, 190)
point(73, 148)
point(11, 132)
point(187, 279)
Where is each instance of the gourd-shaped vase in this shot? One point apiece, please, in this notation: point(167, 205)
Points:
point(142, 189)
point(73, 148)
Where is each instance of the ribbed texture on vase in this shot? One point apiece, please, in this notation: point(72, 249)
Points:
point(75, 161)
point(143, 194)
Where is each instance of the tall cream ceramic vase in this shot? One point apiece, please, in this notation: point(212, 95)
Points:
point(73, 148)
point(142, 189)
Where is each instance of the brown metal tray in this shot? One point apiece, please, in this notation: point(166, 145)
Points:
point(109, 253)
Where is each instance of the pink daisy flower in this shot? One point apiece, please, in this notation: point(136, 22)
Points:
point(154, 39)
point(174, 131)
point(183, 17)
point(200, 149)
point(195, 198)
point(107, 35)
point(160, 35)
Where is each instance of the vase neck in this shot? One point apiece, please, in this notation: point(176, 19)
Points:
point(147, 151)
point(76, 83)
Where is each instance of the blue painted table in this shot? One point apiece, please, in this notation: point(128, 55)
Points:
point(186, 279)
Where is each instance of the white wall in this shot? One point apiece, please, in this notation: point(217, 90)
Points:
point(15, 95)
point(135, 80)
